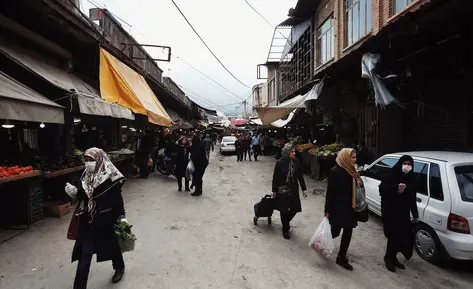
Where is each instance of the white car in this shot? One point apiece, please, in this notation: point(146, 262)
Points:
point(444, 201)
point(227, 145)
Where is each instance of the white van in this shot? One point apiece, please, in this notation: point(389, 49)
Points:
point(444, 199)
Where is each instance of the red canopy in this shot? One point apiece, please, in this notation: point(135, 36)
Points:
point(239, 122)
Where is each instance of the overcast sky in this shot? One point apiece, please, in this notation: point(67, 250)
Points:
point(237, 35)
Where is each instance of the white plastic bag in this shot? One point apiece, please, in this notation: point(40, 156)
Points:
point(322, 241)
point(361, 204)
point(190, 170)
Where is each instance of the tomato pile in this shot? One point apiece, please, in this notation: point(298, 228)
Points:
point(13, 171)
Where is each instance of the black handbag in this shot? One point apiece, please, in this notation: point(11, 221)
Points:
point(284, 190)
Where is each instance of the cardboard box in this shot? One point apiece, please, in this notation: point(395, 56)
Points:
point(57, 209)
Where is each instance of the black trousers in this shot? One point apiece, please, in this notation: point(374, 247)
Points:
point(179, 183)
point(197, 179)
point(256, 151)
point(239, 154)
point(83, 267)
point(391, 250)
point(345, 242)
point(286, 219)
point(247, 152)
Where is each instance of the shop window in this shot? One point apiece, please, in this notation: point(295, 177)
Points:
point(30, 136)
point(399, 5)
point(435, 180)
point(358, 20)
point(325, 42)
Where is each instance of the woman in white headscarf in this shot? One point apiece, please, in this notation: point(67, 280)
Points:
point(100, 196)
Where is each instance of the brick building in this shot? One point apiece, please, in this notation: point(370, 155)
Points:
point(422, 44)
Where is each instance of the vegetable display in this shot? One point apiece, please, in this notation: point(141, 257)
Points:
point(326, 150)
point(56, 163)
point(304, 147)
point(126, 239)
point(279, 143)
point(15, 170)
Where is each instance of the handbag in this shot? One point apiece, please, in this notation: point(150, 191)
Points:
point(284, 190)
point(362, 216)
point(76, 221)
point(360, 202)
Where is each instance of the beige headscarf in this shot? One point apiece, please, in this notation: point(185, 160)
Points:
point(344, 160)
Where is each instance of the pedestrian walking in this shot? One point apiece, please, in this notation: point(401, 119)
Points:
point(208, 144)
point(398, 201)
point(182, 159)
point(100, 194)
point(255, 145)
point(144, 151)
point(246, 147)
point(266, 145)
point(287, 177)
point(239, 148)
point(341, 200)
point(199, 158)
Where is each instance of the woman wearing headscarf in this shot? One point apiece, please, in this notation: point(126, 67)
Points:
point(182, 159)
point(199, 158)
point(100, 196)
point(341, 200)
point(398, 200)
point(288, 174)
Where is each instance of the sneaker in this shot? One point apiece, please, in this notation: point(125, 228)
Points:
point(118, 276)
point(343, 262)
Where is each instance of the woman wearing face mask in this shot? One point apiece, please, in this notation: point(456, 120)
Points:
point(288, 174)
point(340, 201)
point(182, 159)
point(398, 200)
point(100, 194)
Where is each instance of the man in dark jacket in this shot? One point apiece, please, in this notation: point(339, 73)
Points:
point(208, 144)
point(239, 149)
point(200, 161)
point(246, 147)
point(145, 148)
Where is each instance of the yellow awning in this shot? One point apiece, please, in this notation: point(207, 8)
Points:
point(122, 85)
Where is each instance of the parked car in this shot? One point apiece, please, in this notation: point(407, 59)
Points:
point(444, 200)
point(227, 145)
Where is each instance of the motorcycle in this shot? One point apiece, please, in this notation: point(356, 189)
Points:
point(165, 165)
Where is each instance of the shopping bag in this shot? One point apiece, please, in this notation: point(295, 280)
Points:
point(360, 201)
point(190, 170)
point(322, 241)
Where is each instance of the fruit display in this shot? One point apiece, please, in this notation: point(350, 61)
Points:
point(14, 171)
point(326, 150)
point(279, 143)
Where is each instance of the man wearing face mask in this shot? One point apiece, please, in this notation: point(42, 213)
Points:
point(398, 201)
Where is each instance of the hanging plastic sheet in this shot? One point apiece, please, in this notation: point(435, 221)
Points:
point(273, 113)
point(382, 95)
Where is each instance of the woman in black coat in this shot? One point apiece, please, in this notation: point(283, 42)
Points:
point(100, 197)
point(182, 159)
point(288, 174)
point(340, 201)
point(199, 158)
point(398, 200)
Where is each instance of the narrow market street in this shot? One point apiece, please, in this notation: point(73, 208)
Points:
point(211, 242)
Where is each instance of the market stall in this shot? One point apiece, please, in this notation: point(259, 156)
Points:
point(28, 120)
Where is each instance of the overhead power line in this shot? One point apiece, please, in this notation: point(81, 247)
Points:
point(256, 11)
point(197, 96)
point(185, 62)
point(208, 48)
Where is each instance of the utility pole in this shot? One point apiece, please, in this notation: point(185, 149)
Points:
point(244, 107)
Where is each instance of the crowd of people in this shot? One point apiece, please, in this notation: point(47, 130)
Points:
point(249, 144)
point(100, 200)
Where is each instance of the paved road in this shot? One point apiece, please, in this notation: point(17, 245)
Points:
point(211, 242)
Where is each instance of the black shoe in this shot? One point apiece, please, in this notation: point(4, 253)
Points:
point(399, 265)
point(390, 265)
point(188, 190)
point(192, 186)
point(343, 262)
point(196, 194)
point(118, 276)
point(286, 235)
point(179, 190)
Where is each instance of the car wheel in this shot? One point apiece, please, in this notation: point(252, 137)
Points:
point(427, 244)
